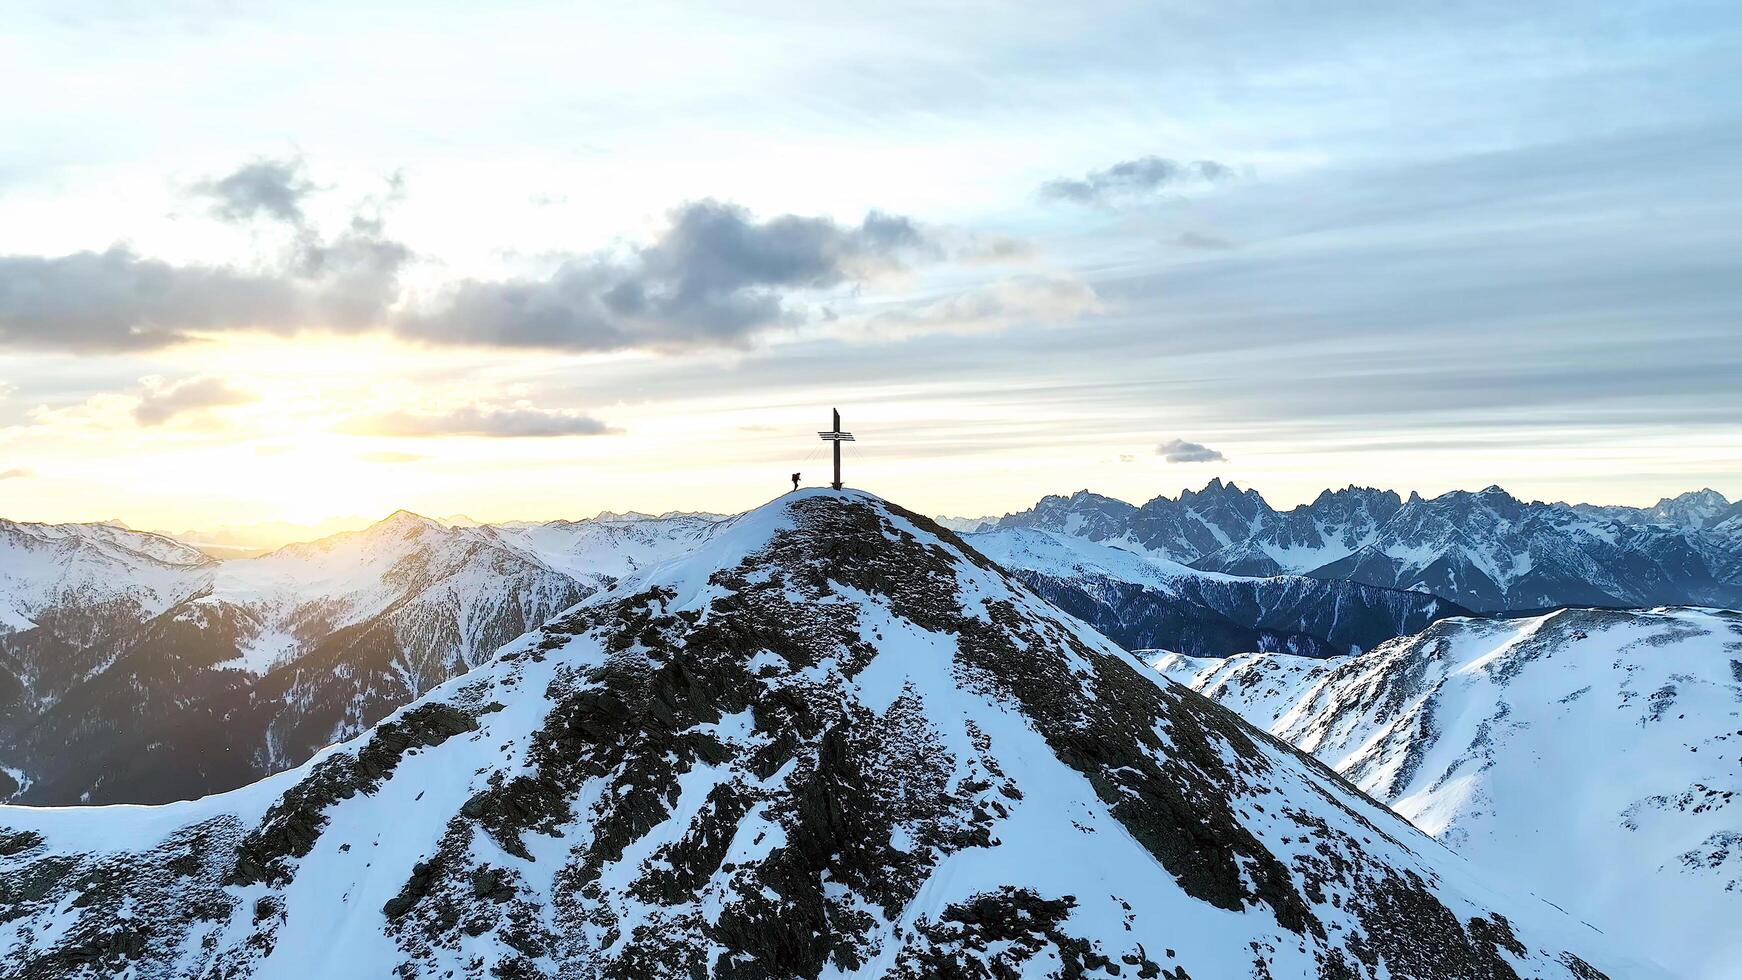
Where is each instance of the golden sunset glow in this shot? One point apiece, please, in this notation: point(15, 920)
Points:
point(535, 300)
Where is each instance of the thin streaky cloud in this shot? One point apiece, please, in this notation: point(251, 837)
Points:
point(1132, 180)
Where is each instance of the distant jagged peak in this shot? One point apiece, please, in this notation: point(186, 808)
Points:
point(1697, 509)
point(403, 518)
point(1493, 498)
point(1704, 495)
point(1082, 498)
point(613, 516)
point(965, 525)
point(1084, 512)
point(1492, 491)
point(1217, 489)
point(396, 529)
point(1328, 497)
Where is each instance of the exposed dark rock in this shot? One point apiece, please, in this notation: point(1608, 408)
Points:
point(995, 935)
point(15, 842)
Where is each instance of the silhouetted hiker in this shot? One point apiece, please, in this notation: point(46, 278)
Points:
point(795, 481)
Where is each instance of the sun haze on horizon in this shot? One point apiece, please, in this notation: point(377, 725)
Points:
point(631, 257)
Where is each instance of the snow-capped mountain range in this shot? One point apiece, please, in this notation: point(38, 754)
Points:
point(1143, 600)
point(830, 741)
point(134, 668)
point(1696, 508)
point(1485, 550)
point(1591, 757)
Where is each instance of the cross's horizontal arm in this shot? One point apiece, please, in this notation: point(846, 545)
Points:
point(837, 436)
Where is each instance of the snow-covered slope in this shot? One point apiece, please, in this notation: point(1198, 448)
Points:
point(67, 592)
point(83, 581)
point(966, 525)
point(213, 673)
point(831, 742)
point(1145, 601)
point(1591, 757)
point(611, 546)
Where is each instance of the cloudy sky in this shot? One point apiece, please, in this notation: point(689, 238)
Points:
point(295, 262)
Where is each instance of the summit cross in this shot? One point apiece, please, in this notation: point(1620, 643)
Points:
point(837, 437)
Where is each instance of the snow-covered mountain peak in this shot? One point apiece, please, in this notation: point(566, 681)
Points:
point(393, 533)
point(402, 519)
point(1696, 509)
point(1353, 495)
point(1089, 515)
point(111, 573)
point(831, 741)
point(105, 539)
point(1217, 489)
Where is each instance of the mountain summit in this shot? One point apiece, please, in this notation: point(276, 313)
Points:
point(832, 740)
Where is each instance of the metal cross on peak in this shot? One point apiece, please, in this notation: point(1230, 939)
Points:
point(837, 437)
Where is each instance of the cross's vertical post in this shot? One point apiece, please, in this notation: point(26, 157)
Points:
point(837, 437)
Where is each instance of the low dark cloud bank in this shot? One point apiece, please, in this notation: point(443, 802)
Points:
point(715, 277)
point(118, 300)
